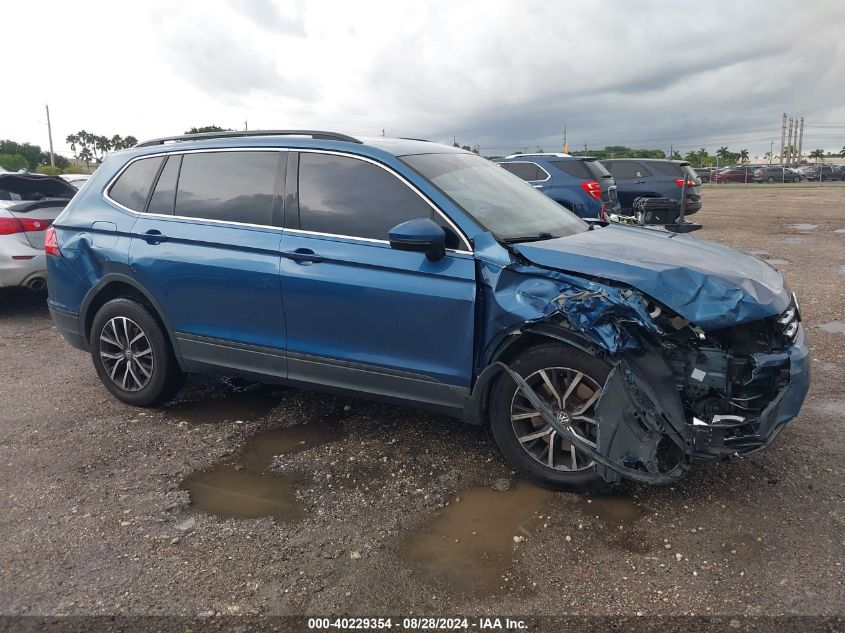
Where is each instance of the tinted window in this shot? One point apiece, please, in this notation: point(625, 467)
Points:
point(164, 195)
point(669, 169)
point(133, 186)
point(627, 169)
point(232, 186)
point(347, 196)
point(582, 169)
point(526, 171)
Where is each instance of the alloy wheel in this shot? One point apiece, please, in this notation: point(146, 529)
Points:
point(573, 396)
point(126, 354)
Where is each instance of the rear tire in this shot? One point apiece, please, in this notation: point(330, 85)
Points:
point(132, 355)
point(770, 179)
point(562, 365)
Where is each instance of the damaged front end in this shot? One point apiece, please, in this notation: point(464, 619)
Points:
point(676, 394)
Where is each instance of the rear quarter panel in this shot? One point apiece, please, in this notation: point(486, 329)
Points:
point(93, 236)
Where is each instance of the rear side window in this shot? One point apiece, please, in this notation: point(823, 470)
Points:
point(526, 171)
point(347, 196)
point(164, 195)
point(230, 186)
point(133, 186)
point(583, 169)
point(627, 169)
point(669, 169)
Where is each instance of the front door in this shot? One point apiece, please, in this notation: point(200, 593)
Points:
point(360, 314)
point(208, 251)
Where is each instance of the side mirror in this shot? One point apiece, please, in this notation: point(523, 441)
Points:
point(422, 236)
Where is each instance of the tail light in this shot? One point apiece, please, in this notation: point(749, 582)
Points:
point(8, 226)
point(51, 243)
point(603, 214)
point(592, 188)
point(680, 183)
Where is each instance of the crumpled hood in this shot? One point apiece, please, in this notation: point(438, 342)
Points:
point(711, 285)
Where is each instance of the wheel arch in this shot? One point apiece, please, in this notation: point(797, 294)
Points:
point(114, 286)
point(505, 351)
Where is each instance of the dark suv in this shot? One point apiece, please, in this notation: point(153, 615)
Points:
point(824, 172)
point(581, 184)
point(776, 173)
point(654, 178)
point(419, 273)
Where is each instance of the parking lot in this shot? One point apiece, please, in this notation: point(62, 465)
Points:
point(306, 502)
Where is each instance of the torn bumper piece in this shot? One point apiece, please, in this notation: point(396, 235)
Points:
point(643, 431)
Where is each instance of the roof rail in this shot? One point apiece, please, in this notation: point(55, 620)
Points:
point(206, 136)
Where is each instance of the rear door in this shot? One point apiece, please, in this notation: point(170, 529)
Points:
point(632, 181)
point(360, 314)
point(207, 249)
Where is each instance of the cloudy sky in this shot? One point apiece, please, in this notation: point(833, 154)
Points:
point(503, 75)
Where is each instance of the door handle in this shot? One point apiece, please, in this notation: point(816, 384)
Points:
point(303, 256)
point(154, 236)
point(640, 182)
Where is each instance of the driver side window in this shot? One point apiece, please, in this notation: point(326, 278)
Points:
point(345, 196)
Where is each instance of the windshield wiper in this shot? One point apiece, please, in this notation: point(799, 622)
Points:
point(528, 238)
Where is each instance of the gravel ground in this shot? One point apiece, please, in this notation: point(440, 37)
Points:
point(383, 510)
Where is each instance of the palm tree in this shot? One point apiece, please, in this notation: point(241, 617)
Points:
point(103, 144)
point(72, 140)
point(129, 141)
point(723, 153)
point(818, 154)
point(842, 152)
point(743, 155)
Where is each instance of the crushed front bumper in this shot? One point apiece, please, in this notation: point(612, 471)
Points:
point(733, 439)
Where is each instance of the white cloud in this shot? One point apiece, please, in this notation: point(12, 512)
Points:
point(502, 74)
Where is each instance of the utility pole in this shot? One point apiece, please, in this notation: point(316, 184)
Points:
point(564, 139)
point(771, 150)
point(50, 136)
point(382, 132)
point(800, 139)
point(585, 149)
point(789, 143)
point(671, 151)
point(782, 137)
point(246, 127)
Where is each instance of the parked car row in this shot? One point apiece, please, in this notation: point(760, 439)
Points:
point(770, 173)
point(591, 188)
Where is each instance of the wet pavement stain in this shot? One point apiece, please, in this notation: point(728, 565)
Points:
point(792, 240)
point(618, 515)
point(804, 227)
point(243, 405)
point(835, 327)
point(242, 487)
point(612, 508)
point(469, 546)
point(841, 270)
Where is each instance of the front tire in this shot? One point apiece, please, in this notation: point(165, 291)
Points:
point(132, 355)
point(569, 380)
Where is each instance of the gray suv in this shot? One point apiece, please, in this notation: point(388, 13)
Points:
point(654, 178)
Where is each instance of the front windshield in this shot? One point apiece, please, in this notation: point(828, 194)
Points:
point(502, 203)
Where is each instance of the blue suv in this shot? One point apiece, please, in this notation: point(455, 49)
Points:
point(417, 273)
point(581, 184)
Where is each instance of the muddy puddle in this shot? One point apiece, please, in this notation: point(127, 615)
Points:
point(243, 405)
point(469, 547)
point(241, 487)
point(804, 227)
point(835, 327)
